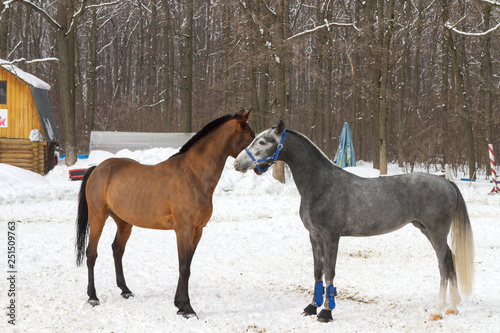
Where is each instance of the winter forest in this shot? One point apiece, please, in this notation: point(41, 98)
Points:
point(416, 80)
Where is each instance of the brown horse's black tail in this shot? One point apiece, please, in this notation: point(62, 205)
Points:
point(82, 220)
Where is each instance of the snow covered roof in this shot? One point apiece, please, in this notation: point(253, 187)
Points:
point(26, 77)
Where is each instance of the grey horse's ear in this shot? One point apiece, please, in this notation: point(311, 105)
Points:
point(279, 126)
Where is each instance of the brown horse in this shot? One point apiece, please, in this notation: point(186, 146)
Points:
point(172, 195)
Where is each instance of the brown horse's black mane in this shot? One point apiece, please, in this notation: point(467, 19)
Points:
point(205, 131)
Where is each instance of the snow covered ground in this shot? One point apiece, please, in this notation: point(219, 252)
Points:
point(252, 272)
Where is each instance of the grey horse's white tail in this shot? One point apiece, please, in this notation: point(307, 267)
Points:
point(462, 245)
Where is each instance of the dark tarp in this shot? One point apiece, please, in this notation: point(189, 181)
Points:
point(47, 120)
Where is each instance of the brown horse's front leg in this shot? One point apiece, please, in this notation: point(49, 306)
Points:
point(187, 241)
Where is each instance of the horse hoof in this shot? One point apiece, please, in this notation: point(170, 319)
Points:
point(127, 295)
point(93, 302)
point(434, 317)
point(325, 316)
point(309, 310)
point(187, 315)
point(190, 315)
point(451, 312)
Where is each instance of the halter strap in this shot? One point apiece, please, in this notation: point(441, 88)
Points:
point(273, 157)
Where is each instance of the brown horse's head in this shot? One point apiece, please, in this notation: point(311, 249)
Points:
point(244, 134)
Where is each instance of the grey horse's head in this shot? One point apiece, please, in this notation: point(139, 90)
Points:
point(262, 147)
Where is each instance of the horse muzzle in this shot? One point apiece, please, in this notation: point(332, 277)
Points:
point(240, 164)
point(237, 167)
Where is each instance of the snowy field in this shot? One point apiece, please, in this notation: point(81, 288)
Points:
point(252, 272)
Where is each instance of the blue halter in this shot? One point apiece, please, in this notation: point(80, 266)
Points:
point(273, 157)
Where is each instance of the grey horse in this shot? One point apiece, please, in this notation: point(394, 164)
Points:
point(336, 203)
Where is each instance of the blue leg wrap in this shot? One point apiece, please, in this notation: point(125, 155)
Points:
point(331, 292)
point(318, 293)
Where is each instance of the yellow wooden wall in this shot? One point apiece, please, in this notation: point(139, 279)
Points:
point(23, 116)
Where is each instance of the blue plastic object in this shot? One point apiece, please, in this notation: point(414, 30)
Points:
point(331, 292)
point(318, 293)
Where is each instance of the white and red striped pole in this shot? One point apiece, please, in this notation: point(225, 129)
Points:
point(493, 172)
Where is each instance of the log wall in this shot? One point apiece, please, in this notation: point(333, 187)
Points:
point(25, 154)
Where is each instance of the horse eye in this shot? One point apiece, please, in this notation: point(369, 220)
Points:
point(262, 143)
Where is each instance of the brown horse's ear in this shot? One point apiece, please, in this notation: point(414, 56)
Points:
point(279, 126)
point(245, 114)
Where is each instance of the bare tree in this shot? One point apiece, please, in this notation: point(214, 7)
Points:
point(487, 77)
point(461, 93)
point(65, 23)
point(386, 67)
point(4, 30)
point(386, 37)
point(188, 67)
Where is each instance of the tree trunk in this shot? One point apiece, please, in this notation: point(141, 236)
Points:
point(280, 84)
point(188, 68)
point(66, 51)
point(373, 74)
point(254, 94)
point(263, 94)
point(227, 78)
point(24, 39)
point(151, 82)
point(329, 101)
point(91, 98)
point(444, 102)
point(168, 49)
point(317, 92)
point(386, 44)
point(355, 91)
point(208, 62)
point(138, 101)
point(319, 84)
point(4, 31)
point(254, 86)
point(461, 94)
point(280, 92)
point(487, 80)
point(414, 143)
point(402, 85)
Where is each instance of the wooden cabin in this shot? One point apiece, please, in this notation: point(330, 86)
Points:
point(28, 131)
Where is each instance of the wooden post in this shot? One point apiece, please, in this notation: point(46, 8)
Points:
point(279, 171)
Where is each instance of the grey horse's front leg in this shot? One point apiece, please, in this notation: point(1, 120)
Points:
point(331, 246)
point(318, 255)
